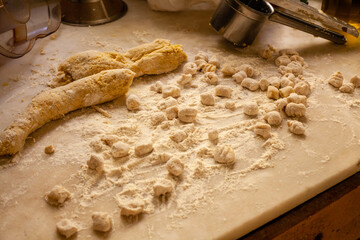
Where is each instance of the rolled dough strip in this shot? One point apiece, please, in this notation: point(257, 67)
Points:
point(156, 57)
point(53, 104)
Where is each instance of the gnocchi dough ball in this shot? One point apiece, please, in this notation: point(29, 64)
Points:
point(295, 110)
point(49, 149)
point(281, 104)
point(185, 79)
point(224, 154)
point(187, 114)
point(175, 167)
point(95, 163)
point(273, 92)
point(265, 53)
point(163, 187)
point(167, 103)
point(133, 102)
point(178, 136)
point(213, 135)
point(66, 227)
point(230, 105)
point(57, 196)
point(286, 91)
point(297, 58)
point(223, 91)
point(172, 112)
point(190, 68)
point(249, 70)
point(207, 99)
point(143, 148)
point(274, 81)
point(102, 221)
point(157, 87)
point(171, 91)
point(251, 108)
point(273, 118)
point(120, 149)
point(283, 60)
point(284, 82)
point(355, 80)
point(131, 207)
point(210, 78)
point(347, 88)
point(208, 68)
point(214, 61)
point(264, 84)
point(250, 84)
point(296, 127)
point(263, 130)
point(202, 55)
point(157, 118)
point(302, 88)
point(239, 76)
point(228, 69)
point(295, 98)
point(200, 63)
point(336, 80)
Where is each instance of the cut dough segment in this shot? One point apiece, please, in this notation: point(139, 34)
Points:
point(102, 221)
point(175, 167)
point(53, 104)
point(57, 196)
point(67, 228)
point(224, 154)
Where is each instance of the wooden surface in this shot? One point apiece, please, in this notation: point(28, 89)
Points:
point(333, 214)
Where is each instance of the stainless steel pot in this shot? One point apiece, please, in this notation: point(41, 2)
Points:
point(239, 21)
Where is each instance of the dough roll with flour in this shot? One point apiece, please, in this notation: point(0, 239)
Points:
point(55, 103)
point(156, 57)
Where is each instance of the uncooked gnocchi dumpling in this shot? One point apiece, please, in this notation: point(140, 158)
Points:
point(347, 88)
point(228, 69)
point(210, 78)
point(273, 118)
point(163, 187)
point(171, 91)
point(120, 149)
point(67, 227)
point(250, 84)
point(302, 88)
point(175, 167)
point(102, 221)
point(224, 154)
point(239, 76)
point(263, 130)
point(295, 98)
point(249, 70)
point(172, 112)
point(190, 68)
point(230, 105)
point(185, 79)
point(251, 108)
point(286, 91)
point(208, 68)
point(355, 80)
point(207, 99)
point(57, 196)
point(157, 87)
point(178, 136)
point(143, 148)
point(281, 104)
point(187, 114)
point(295, 110)
point(272, 92)
point(213, 135)
point(274, 81)
point(214, 61)
point(264, 84)
point(283, 60)
point(223, 91)
point(95, 163)
point(202, 55)
point(296, 127)
point(336, 80)
point(157, 118)
point(133, 102)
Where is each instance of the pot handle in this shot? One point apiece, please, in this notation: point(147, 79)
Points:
point(298, 23)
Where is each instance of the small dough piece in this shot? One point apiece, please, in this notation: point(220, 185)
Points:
point(266, 54)
point(230, 105)
point(132, 207)
point(172, 112)
point(187, 114)
point(336, 80)
point(289, 76)
point(250, 84)
point(239, 76)
point(295, 67)
point(273, 92)
point(185, 79)
point(224, 154)
point(283, 60)
point(251, 108)
point(109, 140)
point(263, 130)
point(228, 69)
point(190, 68)
point(49, 149)
point(295, 110)
point(207, 99)
point(66, 227)
point(249, 70)
point(178, 136)
point(302, 88)
point(223, 91)
point(200, 63)
point(96, 163)
point(208, 68)
point(163, 187)
point(210, 78)
point(102, 221)
point(175, 167)
point(355, 80)
point(295, 98)
point(202, 55)
point(171, 91)
point(284, 82)
point(281, 104)
point(273, 118)
point(274, 81)
point(133, 102)
point(264, 84)
point(157, 118)
point(214, 61)
point(143, 148)
point(297, 58)
point(120, 149)
point(57, 196)
point(347, 88)
point(286, 91)
point(213, 135)
point(296, 127)
point(168, 102)
point(157, 87)
point(288, 51)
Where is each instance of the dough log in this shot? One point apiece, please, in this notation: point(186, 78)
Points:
point(156, 57)
point(55, 103)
